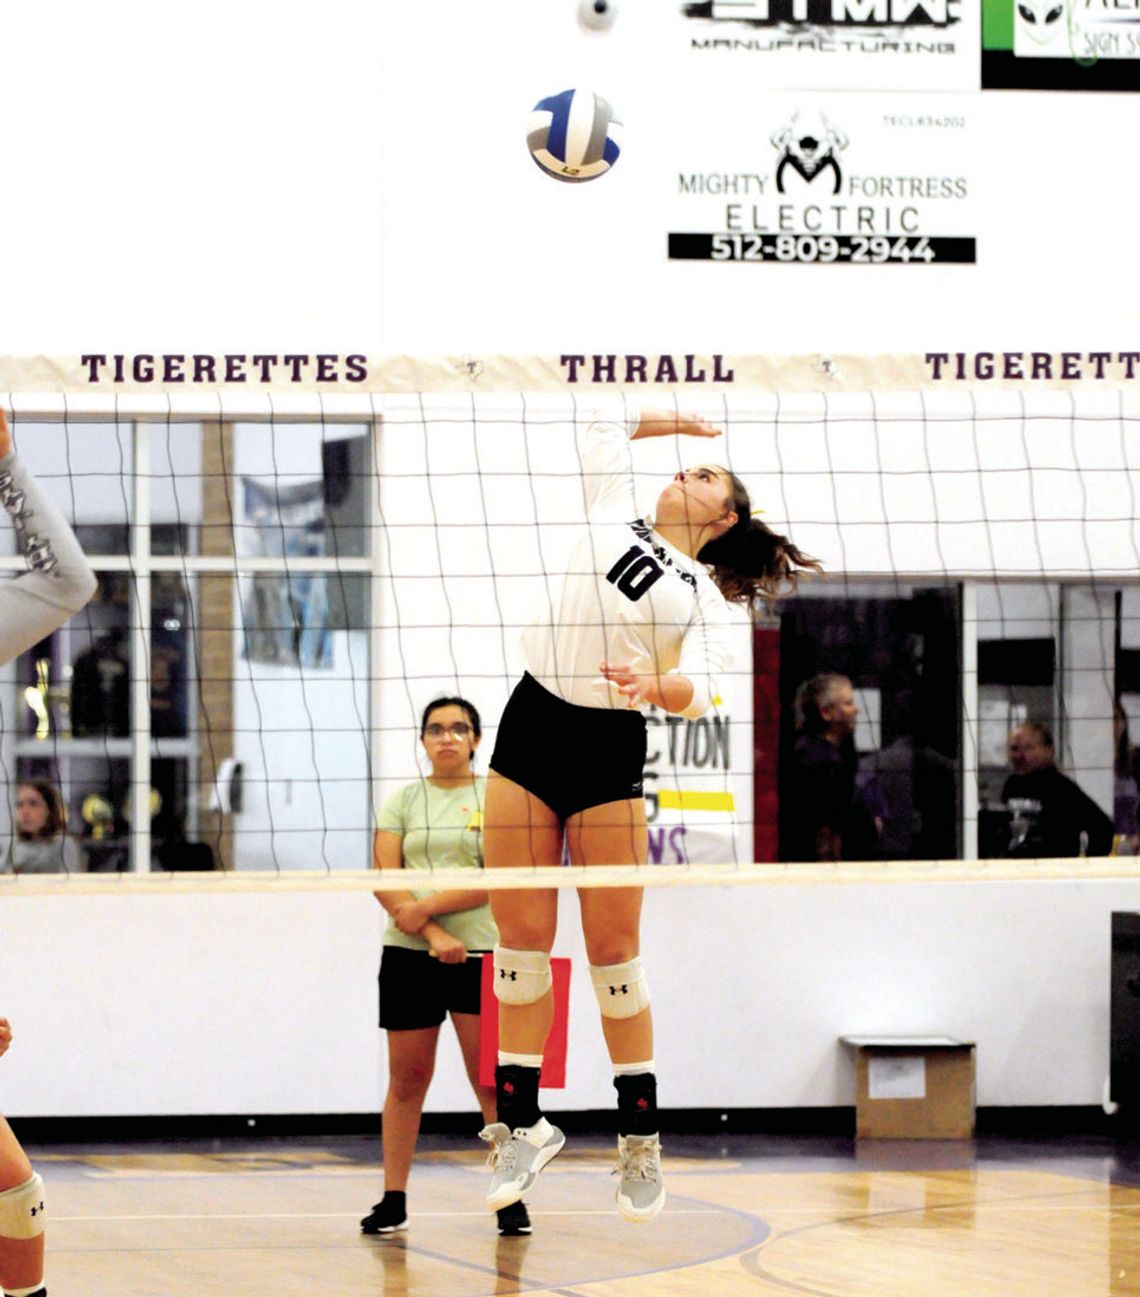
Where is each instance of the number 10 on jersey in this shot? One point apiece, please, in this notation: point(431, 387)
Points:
point(634, 572)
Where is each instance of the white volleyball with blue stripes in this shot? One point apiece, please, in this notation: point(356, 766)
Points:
point(574, 136)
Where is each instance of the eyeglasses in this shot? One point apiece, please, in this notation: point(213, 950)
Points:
point(458, 730)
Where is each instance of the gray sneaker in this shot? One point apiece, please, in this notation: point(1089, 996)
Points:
point(517, 1156)
point(641, 1193)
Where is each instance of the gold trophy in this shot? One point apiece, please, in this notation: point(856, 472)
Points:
point(100, 814)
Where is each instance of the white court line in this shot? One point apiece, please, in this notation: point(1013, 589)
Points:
point(767, 1212)
point(353, 1215)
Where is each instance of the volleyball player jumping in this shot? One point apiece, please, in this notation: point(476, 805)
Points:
point(641, 620)
point(59, 583)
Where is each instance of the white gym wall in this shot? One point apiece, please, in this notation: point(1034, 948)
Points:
point(353, 177)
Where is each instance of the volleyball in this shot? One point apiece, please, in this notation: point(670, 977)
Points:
point(574, 136)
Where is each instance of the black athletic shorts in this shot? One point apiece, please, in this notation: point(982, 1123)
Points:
point(417, 991)
point(569, 757)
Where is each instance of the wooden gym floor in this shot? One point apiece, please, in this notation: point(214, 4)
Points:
point(809, 1217)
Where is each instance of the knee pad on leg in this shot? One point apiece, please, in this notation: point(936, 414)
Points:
point(22, 1209)
point(521, 976)
point(621, 989)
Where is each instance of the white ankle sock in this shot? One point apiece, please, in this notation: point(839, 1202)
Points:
point(519, 1060)
point(632, 1069)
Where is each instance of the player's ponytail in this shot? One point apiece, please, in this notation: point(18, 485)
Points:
point(750, 562)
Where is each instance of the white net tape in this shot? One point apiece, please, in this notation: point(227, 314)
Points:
point(593, 876)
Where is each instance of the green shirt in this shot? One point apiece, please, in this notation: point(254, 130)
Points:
point(441, 828)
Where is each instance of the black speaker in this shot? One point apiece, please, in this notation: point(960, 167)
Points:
point(1016, 661)
point(1124, 1030)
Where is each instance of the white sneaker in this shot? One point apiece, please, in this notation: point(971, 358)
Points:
point(641, 1191)
point(517, 1156)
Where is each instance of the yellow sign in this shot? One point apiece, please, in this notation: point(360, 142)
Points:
point(689, 799)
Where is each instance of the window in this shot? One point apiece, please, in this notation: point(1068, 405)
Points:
point(210, 705)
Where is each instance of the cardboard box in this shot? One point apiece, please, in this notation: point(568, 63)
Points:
point(913, 1087)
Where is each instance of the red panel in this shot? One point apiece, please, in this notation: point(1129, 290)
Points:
point(553, 1075)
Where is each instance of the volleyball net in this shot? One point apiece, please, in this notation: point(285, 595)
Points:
point(284, 586)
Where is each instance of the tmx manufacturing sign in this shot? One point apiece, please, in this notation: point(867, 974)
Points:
point(844, 44)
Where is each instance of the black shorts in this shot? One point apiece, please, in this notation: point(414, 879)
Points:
point(417, 991)
point(590, 755)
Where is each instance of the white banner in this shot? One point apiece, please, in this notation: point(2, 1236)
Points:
point(698, 776)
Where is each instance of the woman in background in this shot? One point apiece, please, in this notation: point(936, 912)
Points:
point(42, 844)
point(433, 946)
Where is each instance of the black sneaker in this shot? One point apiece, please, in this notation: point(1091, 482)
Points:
point(513, 1220)
point(383, 1219)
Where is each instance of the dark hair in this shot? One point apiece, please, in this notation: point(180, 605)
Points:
point(1043, 732)
point(750, 561)
point(469, 708)
point(812, 697)
point(56, 822)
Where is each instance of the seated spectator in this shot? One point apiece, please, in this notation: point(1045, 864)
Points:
point(1050, 814)
point(41, 844)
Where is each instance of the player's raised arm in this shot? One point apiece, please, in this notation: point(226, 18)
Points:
point(60, 580)
point(671, 423)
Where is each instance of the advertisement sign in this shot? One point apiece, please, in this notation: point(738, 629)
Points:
point(698, 775)
point(830, 180)
point(840, 44)
point(1061, 45)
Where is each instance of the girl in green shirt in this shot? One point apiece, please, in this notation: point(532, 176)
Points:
point(433, 944)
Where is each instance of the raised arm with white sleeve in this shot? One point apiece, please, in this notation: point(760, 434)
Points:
point(626, 596)
point(59, 581)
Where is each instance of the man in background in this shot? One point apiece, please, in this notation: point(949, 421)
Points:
point(1050, 814)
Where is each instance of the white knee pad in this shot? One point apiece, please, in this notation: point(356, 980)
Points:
point(521, 976)
point(621, 989)
point(22, 1209)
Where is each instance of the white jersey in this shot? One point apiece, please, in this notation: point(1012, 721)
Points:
point(60, 581)
point(628, 597)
